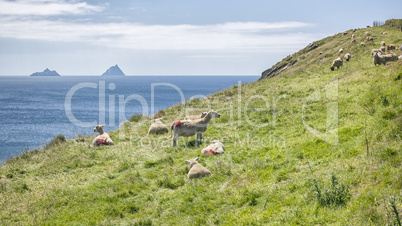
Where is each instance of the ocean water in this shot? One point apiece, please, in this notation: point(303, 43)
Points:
point(33, 110)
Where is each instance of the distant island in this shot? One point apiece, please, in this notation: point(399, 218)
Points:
point(46, 72)
point(114, 71)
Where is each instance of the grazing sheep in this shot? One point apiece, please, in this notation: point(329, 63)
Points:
point(103, 138)
point(157, 127)
point(391, 47)
point(320, 53)
point(376, 51)
point(382, 43)
point(338, 62)
point(370, 38)
point(348, 56)
point(354, 41)
point(390, 56)
point(384, 33)
point(368, 26)
point(345, 33)
point(341, 51)
point(354, 30)
point(352, 36)
point(362, 44)
point(196, 169)
point(193, 117)
point(382, 48)
point(186, 128)
point(216, 148)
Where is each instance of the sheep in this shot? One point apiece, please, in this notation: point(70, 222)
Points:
point(354, 30)
point(352, 36)
point(382, 48)
point(196, 169)
point(193, 117)
point(383, 59)
point(157, 127)
point(367, 33)
point(382, 43)
point(369, 38)
point(216, 148)
point(384, 33)
point(362, 44)
point(345, 33)
point(400, 47)
point(341, 51)
point(186, 128)
point(376, 51)
point(103, 138)
point(391, 47)
point(338, 62)
point(354, 41)
point(368, 26)
point(348, 56)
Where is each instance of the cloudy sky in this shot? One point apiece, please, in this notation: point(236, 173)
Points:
point(170, 37)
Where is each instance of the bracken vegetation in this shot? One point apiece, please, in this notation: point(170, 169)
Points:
point(308, 146)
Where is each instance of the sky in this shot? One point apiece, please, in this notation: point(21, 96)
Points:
point(170, 37)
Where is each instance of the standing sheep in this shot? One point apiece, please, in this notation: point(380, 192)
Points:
point(370, 38)
point(382, 43)
point(376, 51)
point(103, 138)
point(352, 36)
point(157, 127)
point(338, 62)
point(354, 41)
point(362, 44)
point(378, 59)
point(347, 56)
point(216, 148)
point(391, 47)
point(196, 169)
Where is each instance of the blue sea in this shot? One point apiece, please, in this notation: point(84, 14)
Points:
point(33, 110)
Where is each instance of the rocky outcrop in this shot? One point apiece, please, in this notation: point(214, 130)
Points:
point(46, 72)
point(114, 71)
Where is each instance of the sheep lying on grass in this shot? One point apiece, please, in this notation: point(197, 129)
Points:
point(347, 56)
point(338, 62)
point(341, 51)
point(216, 148)
point(103, 138)
point(157, 127)
point(187, 128)
point(391, 47)
point(196, 169)
point(382, 43)
point(194, 117)
point(362, 44)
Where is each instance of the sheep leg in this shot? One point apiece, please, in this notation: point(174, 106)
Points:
point(174, 141)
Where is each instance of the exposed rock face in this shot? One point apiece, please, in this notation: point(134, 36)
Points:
point(114, 71)
point(46, 72)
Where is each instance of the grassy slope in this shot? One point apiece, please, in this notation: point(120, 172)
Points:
point(268, 174)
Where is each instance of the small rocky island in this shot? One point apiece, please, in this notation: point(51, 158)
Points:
point(114, 71)
point(46, 72)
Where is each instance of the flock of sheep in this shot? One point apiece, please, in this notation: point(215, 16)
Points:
point(190, 126)
point(379, 56)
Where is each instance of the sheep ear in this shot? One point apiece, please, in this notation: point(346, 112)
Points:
point(196, 159)
point(186, 161)
point(103, 125)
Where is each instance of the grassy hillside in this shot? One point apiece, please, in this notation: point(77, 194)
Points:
point(308, 146)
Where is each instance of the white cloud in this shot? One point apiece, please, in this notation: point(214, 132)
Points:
point(233, 36)
point(46, 8)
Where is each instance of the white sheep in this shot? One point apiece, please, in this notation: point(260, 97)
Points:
point(194, 117)
point(157, 127)
point(382, 48)
point(367, 33)
point(383, 59)
point(400, 47)
point(362, 44)
point(376, 51)
point(382, 43)
point(352, 36)
point(338, 62)
point(341, 51)
point(216, 148)
point(354, 41)
point(347, 56)
point(196, 169)
point(187, 128)
point(391, 47)
point(103, 138)
point(370, 38)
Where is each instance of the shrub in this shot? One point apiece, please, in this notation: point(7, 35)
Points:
point(337, 194)
point(60, 139)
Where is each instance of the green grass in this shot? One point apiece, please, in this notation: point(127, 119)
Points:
point(309, 146)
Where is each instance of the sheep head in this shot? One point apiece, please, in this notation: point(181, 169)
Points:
point(99, 129)
point(214, 114)
point(192, 162)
